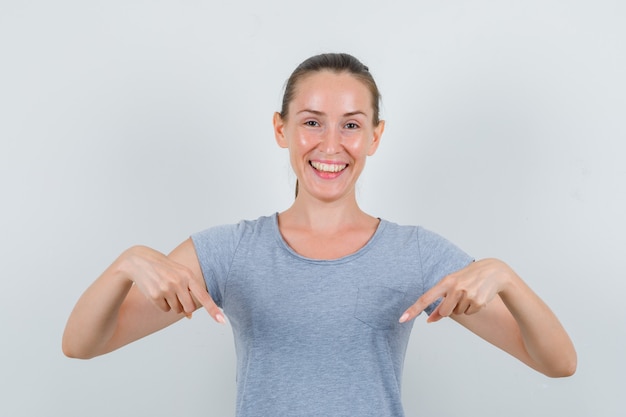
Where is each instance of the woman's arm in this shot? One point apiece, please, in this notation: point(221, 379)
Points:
point(142, 292)
point(491, 300)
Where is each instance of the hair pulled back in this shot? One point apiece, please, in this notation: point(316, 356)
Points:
point(338, 63)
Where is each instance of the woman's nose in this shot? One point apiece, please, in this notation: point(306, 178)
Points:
point(331, 141)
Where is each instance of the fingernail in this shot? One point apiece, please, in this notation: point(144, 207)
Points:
point(220, 319)
point(188, 315)
point(404, 317)
point(432, 318)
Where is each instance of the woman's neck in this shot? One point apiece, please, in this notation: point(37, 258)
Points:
point(323, 216)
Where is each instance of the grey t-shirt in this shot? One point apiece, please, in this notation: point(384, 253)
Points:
point(320, 337)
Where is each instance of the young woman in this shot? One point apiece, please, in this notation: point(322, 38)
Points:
point(321, 296)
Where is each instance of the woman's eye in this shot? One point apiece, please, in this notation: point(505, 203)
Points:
point(352, 126)
point(311, 123)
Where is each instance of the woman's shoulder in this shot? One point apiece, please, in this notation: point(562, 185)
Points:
point(236, 230)
point(394, 228)
point(423, 236)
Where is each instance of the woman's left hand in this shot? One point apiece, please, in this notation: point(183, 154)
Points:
point(466, 291)
point(488, 298)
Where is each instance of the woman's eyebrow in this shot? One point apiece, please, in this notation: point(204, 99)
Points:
point(355, 113)
point(316, 112)
point(320, 113)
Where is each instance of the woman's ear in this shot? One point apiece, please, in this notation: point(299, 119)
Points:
point(279, 130)
point(378, 132)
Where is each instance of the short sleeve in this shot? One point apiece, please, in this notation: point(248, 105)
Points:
point(215, 249)
point(438, 258)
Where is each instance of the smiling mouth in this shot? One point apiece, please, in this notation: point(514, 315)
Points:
point(324, 167)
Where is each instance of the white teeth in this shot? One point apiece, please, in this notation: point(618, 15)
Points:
point(328, 167)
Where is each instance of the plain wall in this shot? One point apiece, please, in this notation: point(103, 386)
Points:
point(141, 122)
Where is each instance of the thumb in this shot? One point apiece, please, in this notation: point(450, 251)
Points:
point(435, 315)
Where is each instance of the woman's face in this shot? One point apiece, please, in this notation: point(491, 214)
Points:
point(329, 132)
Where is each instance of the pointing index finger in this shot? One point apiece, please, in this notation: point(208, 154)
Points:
point(424, 301)
point(201, 294)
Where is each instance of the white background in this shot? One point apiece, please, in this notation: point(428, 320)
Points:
point(141, 122)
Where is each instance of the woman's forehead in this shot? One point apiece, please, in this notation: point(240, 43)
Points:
point(330, 90)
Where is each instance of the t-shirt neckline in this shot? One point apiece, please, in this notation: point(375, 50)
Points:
point(382, 224)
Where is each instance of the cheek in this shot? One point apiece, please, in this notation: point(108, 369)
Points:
point(298, 148)
point(359, 146)
point(305, 141)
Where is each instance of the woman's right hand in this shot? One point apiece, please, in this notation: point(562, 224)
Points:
point(141, 292)
point(169, 285)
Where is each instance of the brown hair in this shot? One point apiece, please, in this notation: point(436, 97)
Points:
point(335, 62)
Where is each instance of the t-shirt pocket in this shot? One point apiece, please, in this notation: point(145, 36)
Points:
point(379, 307)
